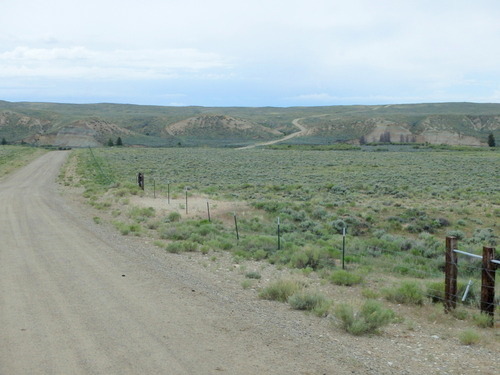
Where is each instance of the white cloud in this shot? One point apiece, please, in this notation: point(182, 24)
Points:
point(311, 51)
point(81, 62)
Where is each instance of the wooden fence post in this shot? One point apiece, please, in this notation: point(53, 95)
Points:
point(451, 274)
point(488, 282)
point(140, 180)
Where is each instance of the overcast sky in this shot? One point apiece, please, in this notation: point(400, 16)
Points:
point(250, 52)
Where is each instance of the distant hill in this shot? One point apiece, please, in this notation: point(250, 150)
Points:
point(81, 125)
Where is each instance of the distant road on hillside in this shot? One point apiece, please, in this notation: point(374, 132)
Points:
point(302, 132)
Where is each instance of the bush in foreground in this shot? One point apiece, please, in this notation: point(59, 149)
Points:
point(342, 277)
point(469, 337)
point(483, 320)
point(280, 290)
point(408, 292)
point(372, 316)
point(315, 302)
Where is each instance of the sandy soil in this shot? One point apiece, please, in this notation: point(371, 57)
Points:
point(78, 298)
point(196, 207)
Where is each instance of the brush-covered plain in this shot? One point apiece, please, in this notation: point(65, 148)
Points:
point(397, 207)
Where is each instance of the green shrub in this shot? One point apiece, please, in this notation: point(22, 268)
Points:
point(343, 277)
point(408, 292)
point(307, 257)
point(173, 217)
point(174, 247)
point(370, 294)
point(372, 316)
point(460, 314)
point(153, 224)
point(469, 337)
point(456, 233)
point(205, 229)
point(246, 284)
point(125, 228)
point(338, 225)
point(435, 291)
point(175, 233)
point(189, 246)
point(253, 275)
point(280, 290)
point(135, 228)
point(182, 246)
point(314, 302)
point(483, 320)
point(141, 214)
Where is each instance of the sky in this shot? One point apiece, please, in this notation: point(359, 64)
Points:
point(250, 53)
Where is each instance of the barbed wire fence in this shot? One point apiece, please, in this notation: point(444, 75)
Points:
point(489, 264)
point(477, 269)
point(473, 288)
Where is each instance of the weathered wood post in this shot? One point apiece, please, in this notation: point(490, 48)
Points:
point(451, 275)
point(343, 247)
point(488, 282)
point(236, 227)
point(140, 180)
point(279, 234)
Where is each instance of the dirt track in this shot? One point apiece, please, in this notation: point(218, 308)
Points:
point(72, 302)
point(302, 132)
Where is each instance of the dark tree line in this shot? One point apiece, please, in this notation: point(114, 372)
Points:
point(491, 140)
point(407, 138)
point(385, 137)
point(118, 142)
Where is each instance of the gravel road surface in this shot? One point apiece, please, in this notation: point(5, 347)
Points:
point(76, 301)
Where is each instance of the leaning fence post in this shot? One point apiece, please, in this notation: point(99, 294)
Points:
point(236, 227)
point(451, 274)
point(488, 282)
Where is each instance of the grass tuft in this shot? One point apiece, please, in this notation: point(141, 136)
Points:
point(343, 277)
point(372, 316)
point(408, 292)
point(280, 290)
point(314, 302)
point(469, 337)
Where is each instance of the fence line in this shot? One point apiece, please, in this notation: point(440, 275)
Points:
point(451, 292)
point(488, 268)
point(106, 177)
point(469, 254)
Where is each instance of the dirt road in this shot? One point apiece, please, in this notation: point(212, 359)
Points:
point(74, 300)
point(302, 132)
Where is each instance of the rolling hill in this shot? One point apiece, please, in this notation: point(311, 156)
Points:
point(82, 125)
